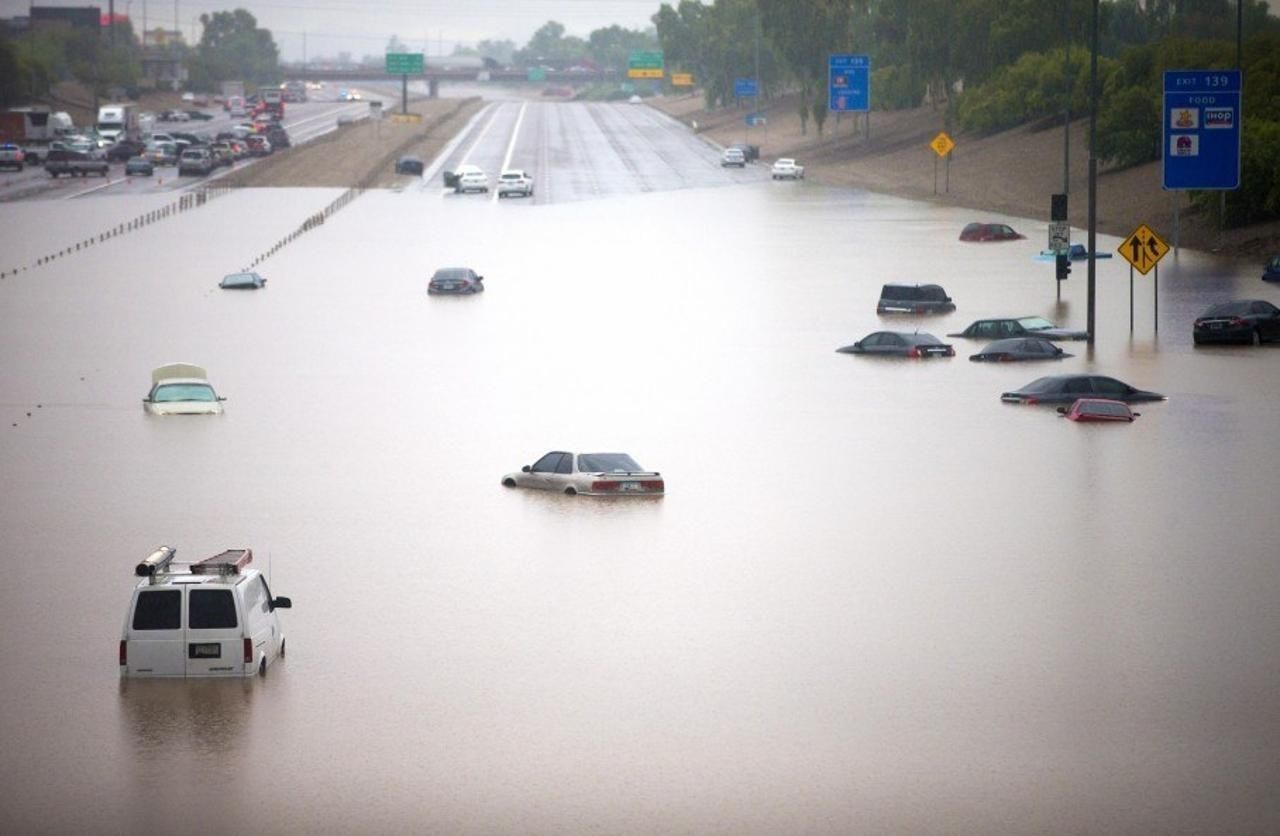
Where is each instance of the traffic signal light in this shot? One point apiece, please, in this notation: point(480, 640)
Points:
point(1058, 207)
point(1063, 266)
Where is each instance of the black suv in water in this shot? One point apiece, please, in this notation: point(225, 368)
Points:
point(914, 299)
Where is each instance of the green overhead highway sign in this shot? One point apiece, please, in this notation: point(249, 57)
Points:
point(404, 63)
point(642, 64)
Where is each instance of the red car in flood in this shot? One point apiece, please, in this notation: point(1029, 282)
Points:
point(1098, 410)
point(989, 232)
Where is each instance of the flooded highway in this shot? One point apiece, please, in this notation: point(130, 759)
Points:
point(874, 597)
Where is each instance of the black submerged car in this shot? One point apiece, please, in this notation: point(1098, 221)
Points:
point(1021, 326)
point(1068, 388)
point(1019, 349)
point(409, 165)
point(1248, 321)
point(898, 344)
point(914, 299)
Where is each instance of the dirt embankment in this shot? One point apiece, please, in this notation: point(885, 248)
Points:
point(1012, 173)
point(362, 153)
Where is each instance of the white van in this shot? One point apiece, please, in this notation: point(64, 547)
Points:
point(214, 617)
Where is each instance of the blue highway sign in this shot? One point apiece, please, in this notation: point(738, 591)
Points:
point(848, 83)
point(1201, 114)
point(745, 88)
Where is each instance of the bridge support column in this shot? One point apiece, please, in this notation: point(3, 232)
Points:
point(433, 88)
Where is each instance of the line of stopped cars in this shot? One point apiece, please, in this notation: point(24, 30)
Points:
point(1084, 397)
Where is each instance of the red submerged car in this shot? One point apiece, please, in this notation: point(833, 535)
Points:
point(989, 232)
point(1098, 409)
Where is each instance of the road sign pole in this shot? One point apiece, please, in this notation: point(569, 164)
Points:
point(404, 93)
point(1155, 300)
point(1131, 299)
point(935, 173)
point(947, 188)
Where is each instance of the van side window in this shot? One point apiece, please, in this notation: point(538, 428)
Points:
point(158, 610)
point(257, 597)
point(211, 609)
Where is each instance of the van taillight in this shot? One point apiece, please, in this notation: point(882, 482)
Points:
point(124, 653)
point(248, 651)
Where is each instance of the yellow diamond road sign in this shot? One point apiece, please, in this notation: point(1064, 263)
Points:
point(942, 144)
point(1143, 249)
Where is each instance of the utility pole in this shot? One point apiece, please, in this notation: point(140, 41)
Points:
point(1066, 110)
point(1093, 172)
point(111, 17)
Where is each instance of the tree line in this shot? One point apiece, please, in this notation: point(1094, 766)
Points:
point(988, 65)
point(232, 47)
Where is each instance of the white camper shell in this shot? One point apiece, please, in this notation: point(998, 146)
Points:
point(211, 618)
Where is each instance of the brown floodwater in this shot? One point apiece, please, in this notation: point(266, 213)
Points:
point(874, 599)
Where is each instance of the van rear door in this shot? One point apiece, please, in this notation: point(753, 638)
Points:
point(214, 644)
point(154, 635)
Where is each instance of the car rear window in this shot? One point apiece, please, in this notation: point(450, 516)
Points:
point(211, 609)
point(900, 292)
point(159, 609)
point(607, 463)
point(1229, 309)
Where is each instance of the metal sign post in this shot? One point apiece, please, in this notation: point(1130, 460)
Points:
point(1143, 250)
point(942, 146)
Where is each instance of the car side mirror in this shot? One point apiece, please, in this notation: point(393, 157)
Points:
point(1136, 414)
point(479, 278)
point(858, 344)
point(524, 469)
point(281, 603)
point(1062, 410)
point(222, 397)
point(146, 400)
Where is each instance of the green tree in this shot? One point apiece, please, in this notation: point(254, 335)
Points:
point(550, 47)
point(611, 47)
point(233, 48)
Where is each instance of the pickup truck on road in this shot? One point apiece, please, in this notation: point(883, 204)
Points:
point(71, 163)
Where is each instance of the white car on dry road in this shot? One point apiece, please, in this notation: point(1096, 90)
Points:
point(515, 181)
point(787, 169)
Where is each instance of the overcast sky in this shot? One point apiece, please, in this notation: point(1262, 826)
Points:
point(365, 26)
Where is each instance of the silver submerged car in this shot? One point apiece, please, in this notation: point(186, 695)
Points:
point(181, 389)
point(592, 474)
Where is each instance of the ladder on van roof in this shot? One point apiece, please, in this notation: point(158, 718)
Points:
point(229, 562)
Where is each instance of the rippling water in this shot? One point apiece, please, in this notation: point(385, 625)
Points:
point(874, 598)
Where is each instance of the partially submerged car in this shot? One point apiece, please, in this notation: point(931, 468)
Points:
point(787, 169)
point(242, 281)
point(181, 389)
point(215, 617)
point(1247, 321)
point(515, 181)
point(989, 232)
point(455, 280)
point(1099, 410)
point(1022, 326)
point(409, 164)
point(590, 474)
point(1019, 349)
point(1068, 388)
point(1271, 273)
point(914, 299)
point(900, 344)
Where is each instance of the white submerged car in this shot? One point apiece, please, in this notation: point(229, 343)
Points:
point(212, 618)
point(515, 181)
point(787, 169)
point(592, 474)
point(181, 389)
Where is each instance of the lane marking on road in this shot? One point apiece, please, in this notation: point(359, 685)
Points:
point(448, 150)
point(511, 148)
point(108, 182)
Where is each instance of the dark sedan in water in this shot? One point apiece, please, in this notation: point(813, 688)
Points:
point(455, 280)
point(1019, 349)
point(1241, 321)
point(1068, 388)
point(898, 344)
point(1271, 273)
point(1022, 326)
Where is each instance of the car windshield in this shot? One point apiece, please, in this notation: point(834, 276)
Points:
point(451, 273)
point(1035, 323)
point(1115, 410)
point(607, 463)
point(239, 279)
point(1042, 384)
point(171, 392)
point(1274, 264)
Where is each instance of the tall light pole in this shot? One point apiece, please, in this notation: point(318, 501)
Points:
point(1093, 171)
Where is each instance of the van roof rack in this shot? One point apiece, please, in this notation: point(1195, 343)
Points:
point(230, 562)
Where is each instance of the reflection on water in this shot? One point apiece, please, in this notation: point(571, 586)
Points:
point(874, 597)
